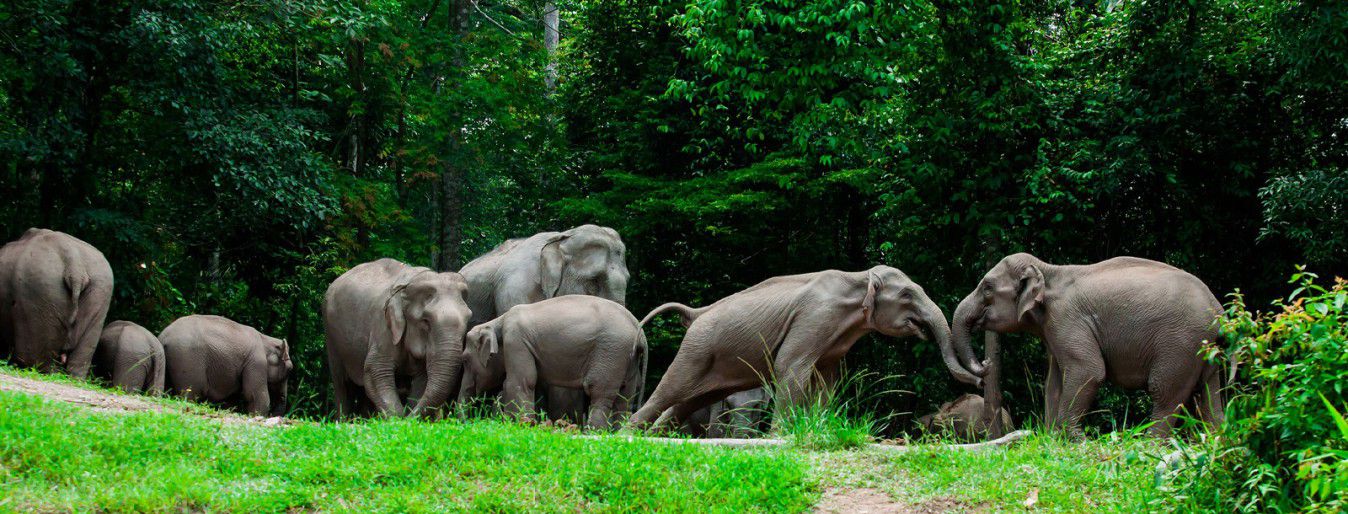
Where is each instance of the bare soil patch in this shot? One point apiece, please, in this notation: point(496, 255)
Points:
point(103, 401)
point(859, 501)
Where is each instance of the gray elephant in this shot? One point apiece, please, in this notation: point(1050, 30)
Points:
point(225, 362)
point(54, 295)
point(586, 260)
point(791, 329)
point(395, 330)
point(573, 341)
point(962, 418)
point(741, 415)
point(1134, 322)
point(131, 358)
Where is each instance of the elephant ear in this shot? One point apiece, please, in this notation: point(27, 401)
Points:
point(873, 284)
point(1030, 302)
point(393, 305)
point(489, 339)
point(551, 265)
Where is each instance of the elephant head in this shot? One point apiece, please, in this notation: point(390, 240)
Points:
point(426, 317)
point(480, 347)
point(1010, 298)
point(896, 306)
point(588, 260)
point(278, 369)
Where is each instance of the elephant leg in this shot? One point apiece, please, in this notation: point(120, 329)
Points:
point(1080, 385)
point(1211, 405)
point(341, 386)
point(718, 419)
point(685, 410)
point(744, 420)
point(518, 392)
point(1169, 393)
point(382, 389)
point(565, 403)
point(91, 312)
point(601, 409)
point(1052, 393)
point(132, 379)
point(678, 385)
point(256, 390)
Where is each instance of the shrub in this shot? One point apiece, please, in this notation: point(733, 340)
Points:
point(1284, 444)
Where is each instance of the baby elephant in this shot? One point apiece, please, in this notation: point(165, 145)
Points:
point(574, 341)
point(131, 357)
point(223, 361)
point(962, 418)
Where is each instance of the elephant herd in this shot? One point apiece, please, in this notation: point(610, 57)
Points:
point(541, 322)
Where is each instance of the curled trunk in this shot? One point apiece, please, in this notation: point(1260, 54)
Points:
point(958, 355)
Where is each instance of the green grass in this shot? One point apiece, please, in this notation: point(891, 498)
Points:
point(57, 457)
point(1106, 475)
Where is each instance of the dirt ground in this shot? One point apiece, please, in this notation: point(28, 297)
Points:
point(101, 401)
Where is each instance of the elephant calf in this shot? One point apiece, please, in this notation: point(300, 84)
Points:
point(131, 357)
point(741, 415)
point(220, 360)
point(574, 341)
point(962, 418)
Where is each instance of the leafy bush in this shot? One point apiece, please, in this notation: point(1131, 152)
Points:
point(1284, 445)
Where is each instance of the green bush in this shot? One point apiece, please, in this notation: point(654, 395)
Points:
point(1284, 444)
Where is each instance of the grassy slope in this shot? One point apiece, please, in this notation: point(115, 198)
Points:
point(58, 457)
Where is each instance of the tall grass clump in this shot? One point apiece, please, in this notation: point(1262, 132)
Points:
point(1284, 444)
point(846, 417)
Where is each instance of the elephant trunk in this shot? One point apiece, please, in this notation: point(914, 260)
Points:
point(616, 285)
point(992, 389)
point(444, 365)
point(964, 367)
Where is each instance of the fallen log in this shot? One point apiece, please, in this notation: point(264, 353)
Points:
point(760, 443)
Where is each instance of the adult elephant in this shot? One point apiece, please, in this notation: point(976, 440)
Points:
point(131, 358)
point(54, 296)
point(223, 361)
point(394, 328)
point(789, 329)
point(1134, 322)
point(585, 260)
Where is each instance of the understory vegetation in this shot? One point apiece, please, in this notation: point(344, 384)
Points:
point(1284, 445)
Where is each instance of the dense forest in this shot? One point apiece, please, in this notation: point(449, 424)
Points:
point(235, 157)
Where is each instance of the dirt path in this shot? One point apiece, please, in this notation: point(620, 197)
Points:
point(102, 401)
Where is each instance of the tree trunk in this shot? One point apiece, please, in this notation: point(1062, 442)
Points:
point(551, 37)
point(452, 175)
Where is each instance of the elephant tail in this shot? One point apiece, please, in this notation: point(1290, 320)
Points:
point(645, 359)
point(155, 380)
point(686, 313)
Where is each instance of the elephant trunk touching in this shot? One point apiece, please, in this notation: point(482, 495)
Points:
point(964, 367)
point(444, 365)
